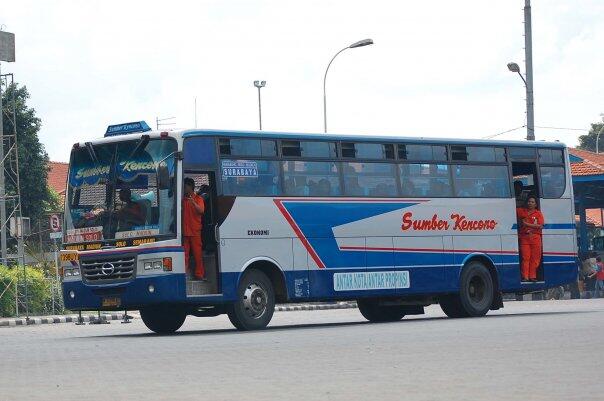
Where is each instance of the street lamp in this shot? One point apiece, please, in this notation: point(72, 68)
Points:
point(360, 43)
point(259, 85)
point(530, 116)
point(599, 132)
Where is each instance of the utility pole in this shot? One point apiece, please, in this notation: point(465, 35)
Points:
point(528, 55)
point(3, 222)
point(7, 53)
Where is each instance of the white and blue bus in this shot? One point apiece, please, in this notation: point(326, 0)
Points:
point(395, 223)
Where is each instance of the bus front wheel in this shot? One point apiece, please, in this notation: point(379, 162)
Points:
point(475, 295)
point(374, 312)
point(256, 302)
point(163, 319)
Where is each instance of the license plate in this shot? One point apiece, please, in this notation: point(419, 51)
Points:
point(111, 302)
point(69, 257)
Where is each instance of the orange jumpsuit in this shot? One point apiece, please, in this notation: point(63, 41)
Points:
point(530, 242)
point(192, 234)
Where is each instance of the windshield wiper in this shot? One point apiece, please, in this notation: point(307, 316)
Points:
point(91, 152)
point(140, 144)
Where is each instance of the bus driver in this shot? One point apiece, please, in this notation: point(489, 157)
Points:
point(193, 208)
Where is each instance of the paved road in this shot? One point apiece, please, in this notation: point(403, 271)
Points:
point(548, 350)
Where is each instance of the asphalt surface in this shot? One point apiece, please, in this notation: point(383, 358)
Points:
point(543, 350)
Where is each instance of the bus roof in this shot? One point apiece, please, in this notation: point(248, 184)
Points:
point(187, 133)
point(364, 137)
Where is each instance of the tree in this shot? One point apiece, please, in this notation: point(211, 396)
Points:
point(588, 142)
point(36, 197)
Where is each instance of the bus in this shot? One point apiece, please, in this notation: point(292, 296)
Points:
point(393, 223)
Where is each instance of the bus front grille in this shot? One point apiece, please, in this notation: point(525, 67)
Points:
point(108, 268)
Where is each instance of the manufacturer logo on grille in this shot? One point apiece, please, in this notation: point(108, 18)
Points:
point(108, 269)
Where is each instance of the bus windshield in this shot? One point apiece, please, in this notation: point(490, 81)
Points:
point(113, 193)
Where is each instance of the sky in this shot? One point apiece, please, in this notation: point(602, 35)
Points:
point(437, 67)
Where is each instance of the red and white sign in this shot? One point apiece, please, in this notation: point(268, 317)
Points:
point(85, 234)
point(55, 223)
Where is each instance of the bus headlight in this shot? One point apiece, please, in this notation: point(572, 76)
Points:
point(75, 272)
point(157, 264)
point(148, 265)
point(67, 272)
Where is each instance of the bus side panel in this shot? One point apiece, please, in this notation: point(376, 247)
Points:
point(424, 258)
point(509, 267)
point(559, 249)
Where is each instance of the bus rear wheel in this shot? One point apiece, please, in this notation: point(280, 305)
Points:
point(256, 302)
point(476, 293)
point(163, 319)
point(374, 312)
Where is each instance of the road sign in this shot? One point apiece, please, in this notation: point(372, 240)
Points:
point(55, 223)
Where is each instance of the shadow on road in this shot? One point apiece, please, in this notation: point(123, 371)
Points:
point(312, 326)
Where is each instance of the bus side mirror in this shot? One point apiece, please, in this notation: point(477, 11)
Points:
point(163, 176)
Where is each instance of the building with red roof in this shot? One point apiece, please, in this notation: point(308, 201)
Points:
point(57, 177)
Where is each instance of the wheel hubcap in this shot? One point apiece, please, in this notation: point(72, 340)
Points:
point(476, 289)
point(255, 299)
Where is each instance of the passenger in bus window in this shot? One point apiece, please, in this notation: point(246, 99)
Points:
point(530, 225)
point(323, 187)
point(193, 208)
point(301, 186)
point(131, 214)
point(353, 188)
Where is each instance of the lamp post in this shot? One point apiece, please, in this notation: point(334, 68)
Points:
point(598, 135)
point(530, 119)
point(259, 85)
point(360, 43)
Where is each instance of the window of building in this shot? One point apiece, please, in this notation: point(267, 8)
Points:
point(247, 147)
point(481, 181)
point(369, 179)
point(425, 180)
point(422, 152)
point(250, 177)
point(553, 181)
point(304, 178)
point(317, 149)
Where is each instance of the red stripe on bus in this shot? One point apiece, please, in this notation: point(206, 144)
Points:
point(299, 234)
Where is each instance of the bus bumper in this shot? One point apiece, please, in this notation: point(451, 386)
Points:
point(132, 295)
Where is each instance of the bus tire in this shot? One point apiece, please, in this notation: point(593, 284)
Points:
point(256, 302)
point(451, 305)
point(475, 296)
point(374, 312)
point(163, 319)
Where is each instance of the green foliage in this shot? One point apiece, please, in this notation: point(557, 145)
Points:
point(38, 288)
point(33, 160)
point(588, 142)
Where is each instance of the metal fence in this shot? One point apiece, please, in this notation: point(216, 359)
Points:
point(19, 297)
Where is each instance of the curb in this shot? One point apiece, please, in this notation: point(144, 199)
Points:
point(114, 316)
point(305, 307)
point(58, 319)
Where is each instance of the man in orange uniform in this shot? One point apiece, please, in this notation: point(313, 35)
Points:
point(531, 223)
point(193, 208)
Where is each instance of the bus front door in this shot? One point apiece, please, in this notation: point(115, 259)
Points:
point(205, 186)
